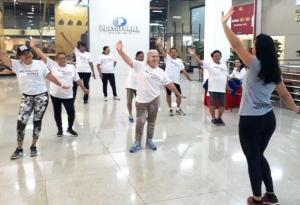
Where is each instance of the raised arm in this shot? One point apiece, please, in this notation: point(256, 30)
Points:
point(160, 48)
point(37, 51)
point(127, 60)
point(193, 53)
point(234, 41)
point(6, 60)
point(67, 40)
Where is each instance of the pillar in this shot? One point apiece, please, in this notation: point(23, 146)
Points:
point(214, 37)
point(114, 20)
point(258, 17)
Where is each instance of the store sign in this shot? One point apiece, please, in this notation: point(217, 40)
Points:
point(242, 20)
point(119, 26)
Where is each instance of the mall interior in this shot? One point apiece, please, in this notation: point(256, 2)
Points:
point(196, 162)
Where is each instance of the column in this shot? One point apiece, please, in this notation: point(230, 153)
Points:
point(114, 20)
point(214, 37)
point(258, 17)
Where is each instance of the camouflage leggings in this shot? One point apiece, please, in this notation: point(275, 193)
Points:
point(142, 109)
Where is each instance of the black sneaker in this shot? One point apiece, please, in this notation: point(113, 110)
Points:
point(60, 133)
point(85, 102)
point(72, 132)
point(215, 122)
point(18, 153)
point(33, 151)
point(221, 122)
point(171, 112)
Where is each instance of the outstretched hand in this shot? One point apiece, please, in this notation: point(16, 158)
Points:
point(191, 51)
point(32, 43)
point(119, 46)
point(158, 40)
point(182, 96)
point(227, 16)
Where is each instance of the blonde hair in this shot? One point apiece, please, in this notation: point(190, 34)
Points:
point(148, 54)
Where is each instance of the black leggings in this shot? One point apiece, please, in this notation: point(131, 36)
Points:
point(85, 77)
point(255, 133)
point(36, 103)
point(69, 106)
point(111, 78)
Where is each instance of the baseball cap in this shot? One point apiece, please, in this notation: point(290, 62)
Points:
point(22, 49)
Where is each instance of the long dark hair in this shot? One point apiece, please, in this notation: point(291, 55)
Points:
point(104, 48)
point(242, 63)
point(267, 55)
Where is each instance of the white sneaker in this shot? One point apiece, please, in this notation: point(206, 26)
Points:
point(105, 99)
point(116, 98)
point(179, 112)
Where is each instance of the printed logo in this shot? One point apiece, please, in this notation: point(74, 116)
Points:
point(120, 22)
point(119, 26)
point(23, 48)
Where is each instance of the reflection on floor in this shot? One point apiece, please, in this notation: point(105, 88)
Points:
point(196, 162)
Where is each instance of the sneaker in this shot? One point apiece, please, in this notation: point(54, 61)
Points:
point(60, 133)
point(105, 99)
point(251, 202)
point(151, 145)
point(221, 122)
point(18, 153)
point(131, 118)
point(85, 102)
point(72, 132)
point(215, 122)
point(270, 199)
point(33, 151)
point(180, 112)
point(135, 147)
point(170, 112)
point(116, 98)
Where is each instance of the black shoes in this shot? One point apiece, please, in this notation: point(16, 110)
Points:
point(60, 133)
point(72, 132)
point(18, 153)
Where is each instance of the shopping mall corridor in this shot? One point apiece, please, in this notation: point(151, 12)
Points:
point(195, 163)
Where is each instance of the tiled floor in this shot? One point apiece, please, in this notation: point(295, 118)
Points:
point(196, 162)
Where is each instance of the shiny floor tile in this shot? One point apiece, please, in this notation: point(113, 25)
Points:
point(195, 163)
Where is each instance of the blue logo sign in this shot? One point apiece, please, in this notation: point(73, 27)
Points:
point(120, 22)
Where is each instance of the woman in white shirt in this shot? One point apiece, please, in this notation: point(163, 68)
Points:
point(31, 76)
point(84, 66)
point(132, 83)
point(66, 74)
point(106, 68)
point(150, 76)
point(239, 71)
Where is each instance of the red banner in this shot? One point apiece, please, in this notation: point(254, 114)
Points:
point(242, 21)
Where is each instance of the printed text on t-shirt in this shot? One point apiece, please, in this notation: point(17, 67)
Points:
point(221, 68)
point(153, 76)
point(30, 72)
point(259, 106)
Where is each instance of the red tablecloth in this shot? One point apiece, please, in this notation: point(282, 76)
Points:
point(230, 101)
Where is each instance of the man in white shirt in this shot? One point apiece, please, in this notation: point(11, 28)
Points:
point(217, 83)
point(174, 66)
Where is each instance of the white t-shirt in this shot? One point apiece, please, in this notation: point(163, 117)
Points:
point(148, 82)
point(106, 63)
point(217, 76)
point(239, 75)
point(173, 68)
point(65, 75)
point(31, 78)
point(82, 61)
point(132, 78)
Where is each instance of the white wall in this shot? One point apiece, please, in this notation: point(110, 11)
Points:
point(103, 13)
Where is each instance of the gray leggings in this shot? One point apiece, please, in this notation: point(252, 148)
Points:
point(214, 96)
point(142, 109)
point(36, 103)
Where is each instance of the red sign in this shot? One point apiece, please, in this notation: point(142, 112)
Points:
point(242, 20)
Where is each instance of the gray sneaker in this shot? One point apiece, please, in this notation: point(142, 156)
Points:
point(171, 112)
point(33, 151)
point(180, 112)
point(18, 153)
